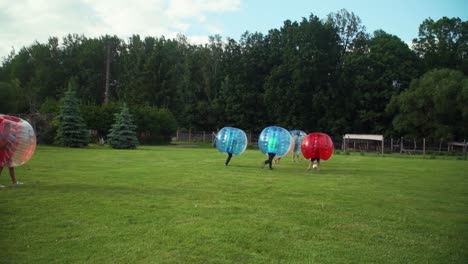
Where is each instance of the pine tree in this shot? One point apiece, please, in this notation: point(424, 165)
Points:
point(72, 131)
point(122, 134)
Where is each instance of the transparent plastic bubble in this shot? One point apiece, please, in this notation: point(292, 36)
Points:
point(298, 136)
point(231, 140)
point(276, 140)
point(17, 141)
point(317, 145)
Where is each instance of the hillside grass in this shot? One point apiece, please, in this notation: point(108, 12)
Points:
point(180, 204)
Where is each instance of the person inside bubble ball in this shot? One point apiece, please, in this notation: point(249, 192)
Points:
point(271, 155)
point(230, 150)
point(228, 159)
point(7, 140)
point(269, 161)
point(297, 148)
point(277, 160)
point(311, 163)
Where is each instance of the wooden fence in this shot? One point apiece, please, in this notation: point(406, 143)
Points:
point(407, 146)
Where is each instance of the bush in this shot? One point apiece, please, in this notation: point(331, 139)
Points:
point(100, 118)
point(154, 125)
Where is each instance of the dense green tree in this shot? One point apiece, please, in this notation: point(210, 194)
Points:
point(122, 135)
point(245, 67)
point(154, 125)
point(99, 118)
point(433, 107)
point(349, 28)
point(10, 97)
point(443, 43)
point(372, 77)
point(314, 74)
point(298, 89)
point(72, 131)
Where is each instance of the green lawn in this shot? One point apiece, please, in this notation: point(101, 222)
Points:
point(182, 205)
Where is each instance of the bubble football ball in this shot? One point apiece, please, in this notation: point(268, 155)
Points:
point(231, 140)
point(315, 166)
point(298, 136)
point(17, 141)
point(317, 145)
point(291, 146)
point(276, 140)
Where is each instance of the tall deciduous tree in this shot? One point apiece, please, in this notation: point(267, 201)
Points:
point(372, 77)
point(298, 89)
point(433, 107)
point(443, 43)
point(349, 28)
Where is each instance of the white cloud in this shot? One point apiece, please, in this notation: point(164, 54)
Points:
point(26, 21)
point(198, 39)
point(213, 29)
point(193, 8)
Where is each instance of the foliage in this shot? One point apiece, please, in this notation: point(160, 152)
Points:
point(71, 128)
point(434, 106)
point(7, 97)
point(100, 118)
point(443, 43)
point(122, 133)
point(155, 126)
point(315, 74)
point(373, 77)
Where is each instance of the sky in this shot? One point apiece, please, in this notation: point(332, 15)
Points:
point(23, 22)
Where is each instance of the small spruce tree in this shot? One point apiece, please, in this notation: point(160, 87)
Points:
point(122, 134)
point(72, 131)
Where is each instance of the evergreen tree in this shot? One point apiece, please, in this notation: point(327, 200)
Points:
point(71, 130)
point(122, 134)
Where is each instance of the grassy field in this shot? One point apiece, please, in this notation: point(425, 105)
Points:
point(182, 205)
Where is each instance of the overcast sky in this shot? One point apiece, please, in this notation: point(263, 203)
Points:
point(22, 22)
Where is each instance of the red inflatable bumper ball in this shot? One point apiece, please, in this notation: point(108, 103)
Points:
point(317, 145)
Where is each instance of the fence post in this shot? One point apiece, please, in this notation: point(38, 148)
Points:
point(424, 147)
point(383, 146)
point(203, 136)
point(464, 147)
point(344, 144)
point(401, 145)
point(177, 135)
point(190, 135)
point(391, 145)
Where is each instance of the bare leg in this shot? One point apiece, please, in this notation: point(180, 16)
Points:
point(1, 169)
point(12, 174)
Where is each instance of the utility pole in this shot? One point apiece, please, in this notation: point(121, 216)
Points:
point(106, 93)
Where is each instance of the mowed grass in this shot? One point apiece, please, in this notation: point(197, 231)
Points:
point(182, 205)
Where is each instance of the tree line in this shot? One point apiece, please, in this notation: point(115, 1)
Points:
point(326, 75)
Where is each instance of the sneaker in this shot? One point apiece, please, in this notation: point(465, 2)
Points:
point(18, 183)
point(2, 186)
